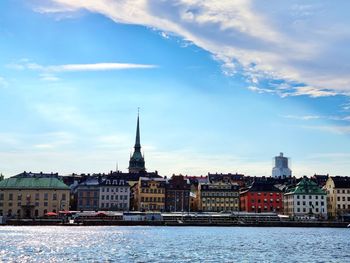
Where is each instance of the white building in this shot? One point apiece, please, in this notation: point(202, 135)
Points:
point(306, 200)
point(114, 194)
point(281, 168)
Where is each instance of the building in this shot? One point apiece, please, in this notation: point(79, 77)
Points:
point(32, 197)
point(226, 178)
point(307, 199)
point(88, 194)
point(137, 161)
point(114, 194)
point(260, 197)
point(338, 196)
point(281, 169)
point(218, 197)
point(320, 179)
point(149, 194)
point(177, 194)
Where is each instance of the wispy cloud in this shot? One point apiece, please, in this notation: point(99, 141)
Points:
point(300, 44)
point(317, 117)
point(78, 67)
point(336, 129)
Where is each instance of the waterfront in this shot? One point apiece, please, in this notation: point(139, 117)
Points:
point(172, 244)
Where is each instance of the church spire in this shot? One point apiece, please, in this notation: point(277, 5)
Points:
point(137, 161)
point(137, 141)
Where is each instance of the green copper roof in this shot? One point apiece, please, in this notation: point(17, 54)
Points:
point(307, 186)
point(33, 183)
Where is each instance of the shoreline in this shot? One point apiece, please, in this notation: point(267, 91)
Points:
point(183, 224)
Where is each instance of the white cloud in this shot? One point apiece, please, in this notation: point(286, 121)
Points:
point(297, 42)
point(77, 67)
point(336, 129)
point(96, 67)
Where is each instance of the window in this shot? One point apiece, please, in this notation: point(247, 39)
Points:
point(54, 196)
point(36, 212)
point(19, 197)
point(303, 196)
point(46, 196)
point(103, 197)
point(36, 196)
point(1, 196)
point(63, 197)
point(298, 196)
point(11, 197)
point(45, 204)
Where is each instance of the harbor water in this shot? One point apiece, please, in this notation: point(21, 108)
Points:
point(172, 244)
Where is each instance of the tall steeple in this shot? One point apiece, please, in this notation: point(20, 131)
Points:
point(137, 161)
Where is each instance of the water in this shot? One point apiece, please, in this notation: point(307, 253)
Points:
point(173, 244)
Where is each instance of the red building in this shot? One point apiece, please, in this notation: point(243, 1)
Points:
point(261, 197)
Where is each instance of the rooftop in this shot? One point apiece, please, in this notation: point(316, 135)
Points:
point(33, 183)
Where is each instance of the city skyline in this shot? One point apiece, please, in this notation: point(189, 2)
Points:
point(222, 87)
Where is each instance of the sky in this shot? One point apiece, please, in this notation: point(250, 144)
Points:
point(222, 86)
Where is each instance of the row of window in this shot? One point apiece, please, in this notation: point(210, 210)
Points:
point(220, 194)
point(266, 200)
point(343, 198)
point(88, 203)
point(310, 196)
point(114, 189)
point(265, 194)
point(152, 207)
point(304, 210)
point(24, 204)
point(116, 197)
point(117, 206)
point(343, 206)
point(152, 191)
point(27, 197)
point(221, 200)
point(152, 199)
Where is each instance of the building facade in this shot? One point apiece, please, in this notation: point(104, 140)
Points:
point(177, 197)
point(218, 197)
point(114, 194)
point(32, 197)
point(88, 194)
point(338, 196)
point(305, 200)
point(149, 194)
point(281, 169)
point(261, 197)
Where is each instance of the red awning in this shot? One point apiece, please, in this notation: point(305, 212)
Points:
point(101, 214)
point(51, 214)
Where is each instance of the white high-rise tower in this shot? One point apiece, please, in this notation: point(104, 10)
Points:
point(281, 168)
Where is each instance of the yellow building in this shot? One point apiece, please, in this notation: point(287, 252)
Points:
point(218, 197)
point(32, 197)
point(338, 196)
point(149, 194)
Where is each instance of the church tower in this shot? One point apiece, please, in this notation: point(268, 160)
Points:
point(137, 161)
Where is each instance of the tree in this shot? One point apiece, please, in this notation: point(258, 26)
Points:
point(1, 177)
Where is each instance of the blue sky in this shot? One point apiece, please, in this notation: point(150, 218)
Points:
point(222, 86)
